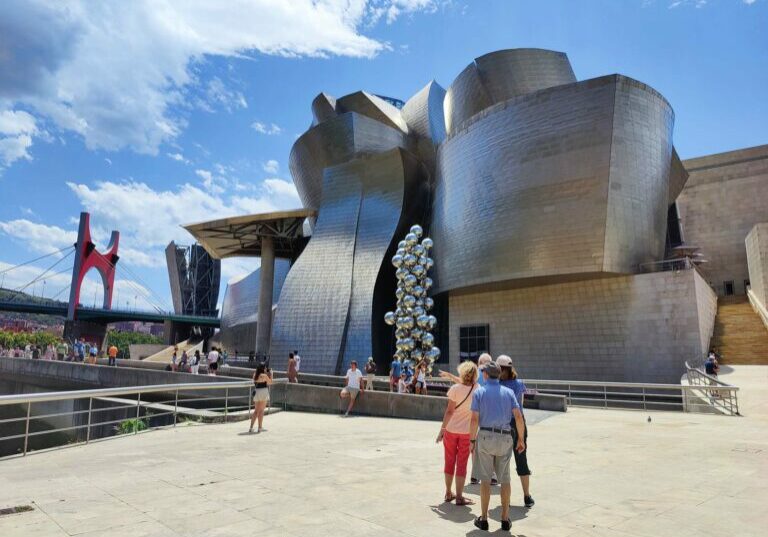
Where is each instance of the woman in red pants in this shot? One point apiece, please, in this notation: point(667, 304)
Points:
point(454, 433)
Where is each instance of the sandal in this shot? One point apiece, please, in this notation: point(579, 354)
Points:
point(449, 498)
point(464, 501)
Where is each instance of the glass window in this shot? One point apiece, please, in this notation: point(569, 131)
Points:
point(473, 341)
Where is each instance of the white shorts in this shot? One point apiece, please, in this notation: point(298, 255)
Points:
point(260, 395)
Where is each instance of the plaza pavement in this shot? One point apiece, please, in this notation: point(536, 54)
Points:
point(603, 473)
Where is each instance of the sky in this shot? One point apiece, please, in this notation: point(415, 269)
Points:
point(151, 114)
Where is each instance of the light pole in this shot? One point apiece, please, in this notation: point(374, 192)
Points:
point(42, 295)
point(135, 298)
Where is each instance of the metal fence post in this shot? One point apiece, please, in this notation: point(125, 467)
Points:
point(605, 395)
point(226, 403)
point(26, 432)
point(88, 430)
point(138, 412)
point(176, 408)
point(644, 405)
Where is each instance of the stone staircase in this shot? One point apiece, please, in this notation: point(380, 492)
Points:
point(740, 336)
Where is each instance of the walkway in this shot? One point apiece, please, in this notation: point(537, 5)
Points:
point(597, 473)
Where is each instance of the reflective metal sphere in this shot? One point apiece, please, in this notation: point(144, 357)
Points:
point(417, 354)
point(428, 340)
point(409, 323)
point(427, 283)
point(400, 293)
point(422, 321)
point(402, 273)
point(390, 318)
point(410, 281)
point(400, 333)
point(418, 270)
point(408, 343)
point(427, 243)
point(429, 263)
point(402, 322)
point(401, 252)
point(411, 239)
point(417, 230)
point(397, 261)
point(410, 260)
point(433, 353)
point(401, 244)
point(418, 311)
point(432, 322)
point(419, 250)
point(409, 301)
point(417, 291)
point(429, 303)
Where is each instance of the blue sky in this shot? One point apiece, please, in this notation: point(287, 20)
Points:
point(151, 114)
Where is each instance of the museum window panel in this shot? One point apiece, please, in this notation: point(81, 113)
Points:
point(474, 340)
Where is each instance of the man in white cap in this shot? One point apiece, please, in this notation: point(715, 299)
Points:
point(370, 373)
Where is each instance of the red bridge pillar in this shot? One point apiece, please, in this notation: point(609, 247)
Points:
point(86, 258)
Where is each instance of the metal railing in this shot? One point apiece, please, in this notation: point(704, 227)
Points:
point(711, 391)
point(98, 413)
point(639, 396)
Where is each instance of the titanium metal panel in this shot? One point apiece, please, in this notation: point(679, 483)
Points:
point(502, 75)
point(385, 180)
point(426, 122)
point(678, 176)
point(641, 154)
point(335, 141)
point(373, 107)
point(312, 313)
point(241, 298)
point(524, 189)
point(323, 108)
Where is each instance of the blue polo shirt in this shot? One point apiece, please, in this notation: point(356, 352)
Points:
point(517, 387)
point(395, 366)
point(495, 404)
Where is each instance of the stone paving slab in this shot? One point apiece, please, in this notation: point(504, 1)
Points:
point(597, 473)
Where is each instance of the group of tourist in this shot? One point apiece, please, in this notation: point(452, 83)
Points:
point(80, 351)
point(184, 363)
point(404, 377)
point(485, 418)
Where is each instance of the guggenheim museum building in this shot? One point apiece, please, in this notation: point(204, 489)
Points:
point(551, 203)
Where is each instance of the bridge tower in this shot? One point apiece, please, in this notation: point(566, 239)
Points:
point(86, 258)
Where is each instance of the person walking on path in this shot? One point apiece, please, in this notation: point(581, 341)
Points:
point(494, 408)
point(94, 352)
point(293, 374)
point(195, 367)
point(370, 373)
point(352, 388)
point(79, 350)
point(298, 361)
point(112, 354)
point(183, 362)
point(213, 361)
point(62, 350)
point(454, 433)
point(394, 373)
point(262, 379)
point(509, 379)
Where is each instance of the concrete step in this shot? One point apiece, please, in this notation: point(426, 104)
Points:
point(739, 335)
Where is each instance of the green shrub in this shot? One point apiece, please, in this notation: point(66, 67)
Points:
point(132, 425)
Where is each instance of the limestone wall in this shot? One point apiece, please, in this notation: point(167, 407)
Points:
point(757, 260)
point(725, 196)
point(638, 328)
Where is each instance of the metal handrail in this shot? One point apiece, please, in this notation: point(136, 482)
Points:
point(28, 400)
point(109, 392)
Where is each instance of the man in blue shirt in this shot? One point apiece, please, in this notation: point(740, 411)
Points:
point(79, 348)
point(490, 432)
point(394, 373)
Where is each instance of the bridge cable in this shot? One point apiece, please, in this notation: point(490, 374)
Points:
point(36, 259)
point(146, 288)
point(43, 274)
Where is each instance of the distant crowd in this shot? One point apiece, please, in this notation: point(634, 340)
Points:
point(78, 351)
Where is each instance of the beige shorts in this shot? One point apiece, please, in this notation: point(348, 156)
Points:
point(260, 395)
point(353, 392)
point(494, 452)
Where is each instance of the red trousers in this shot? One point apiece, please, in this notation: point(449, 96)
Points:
point(456, 447)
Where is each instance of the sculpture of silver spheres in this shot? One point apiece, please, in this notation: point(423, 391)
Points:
point(412, 318)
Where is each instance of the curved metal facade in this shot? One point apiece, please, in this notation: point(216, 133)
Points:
point(503, 75)
point(327, 303)
point(426, 121)
point(568, 180)
point(337, 140)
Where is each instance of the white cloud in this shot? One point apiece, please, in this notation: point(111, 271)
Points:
point(16, 130)
point(282, 189)
point(268, 129)
point(108, 161)
point(213, 184)
point(118, 73)
point(217, 94)
point(178, 157)
point(271, 166)
point(38, 237)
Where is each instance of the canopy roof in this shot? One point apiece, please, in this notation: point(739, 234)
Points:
point(241, 236)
